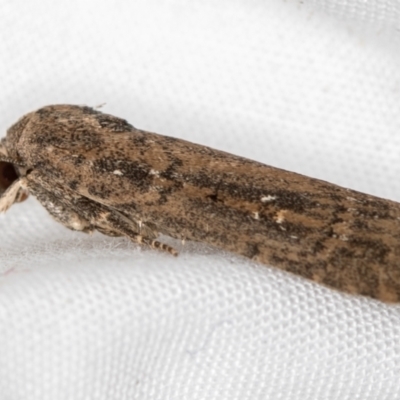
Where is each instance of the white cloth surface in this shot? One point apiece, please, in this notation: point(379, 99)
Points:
point(310, 86)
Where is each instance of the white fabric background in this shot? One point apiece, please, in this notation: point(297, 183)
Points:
point(311, 86)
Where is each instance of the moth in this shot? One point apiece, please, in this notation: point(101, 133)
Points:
point(96, 172)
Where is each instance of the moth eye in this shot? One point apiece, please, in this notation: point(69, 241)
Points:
point(7, 175)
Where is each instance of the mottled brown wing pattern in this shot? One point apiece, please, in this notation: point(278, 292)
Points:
point(97, 169)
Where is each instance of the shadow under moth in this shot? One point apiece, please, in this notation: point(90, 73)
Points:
point(94, 171)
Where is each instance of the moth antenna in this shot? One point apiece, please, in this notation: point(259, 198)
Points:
point(155, 244)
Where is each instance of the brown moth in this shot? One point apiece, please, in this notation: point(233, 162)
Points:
point(93, 171)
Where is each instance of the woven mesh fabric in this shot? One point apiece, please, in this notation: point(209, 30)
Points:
point(309, 86)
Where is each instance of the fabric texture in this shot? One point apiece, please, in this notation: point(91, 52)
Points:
point(309, 86)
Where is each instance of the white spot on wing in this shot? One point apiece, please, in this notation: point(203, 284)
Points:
point(266, 199)
point(118, 172)
point(154, 172)
point(280, 216)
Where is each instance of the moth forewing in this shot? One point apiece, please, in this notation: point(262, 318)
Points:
point(94, 171)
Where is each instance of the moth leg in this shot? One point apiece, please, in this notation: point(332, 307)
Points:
point(155, 244)
point(78, 212)
point(58, 206)
point(62, 213)
point(117, 222)
point(148, 230)
point(15, 193)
